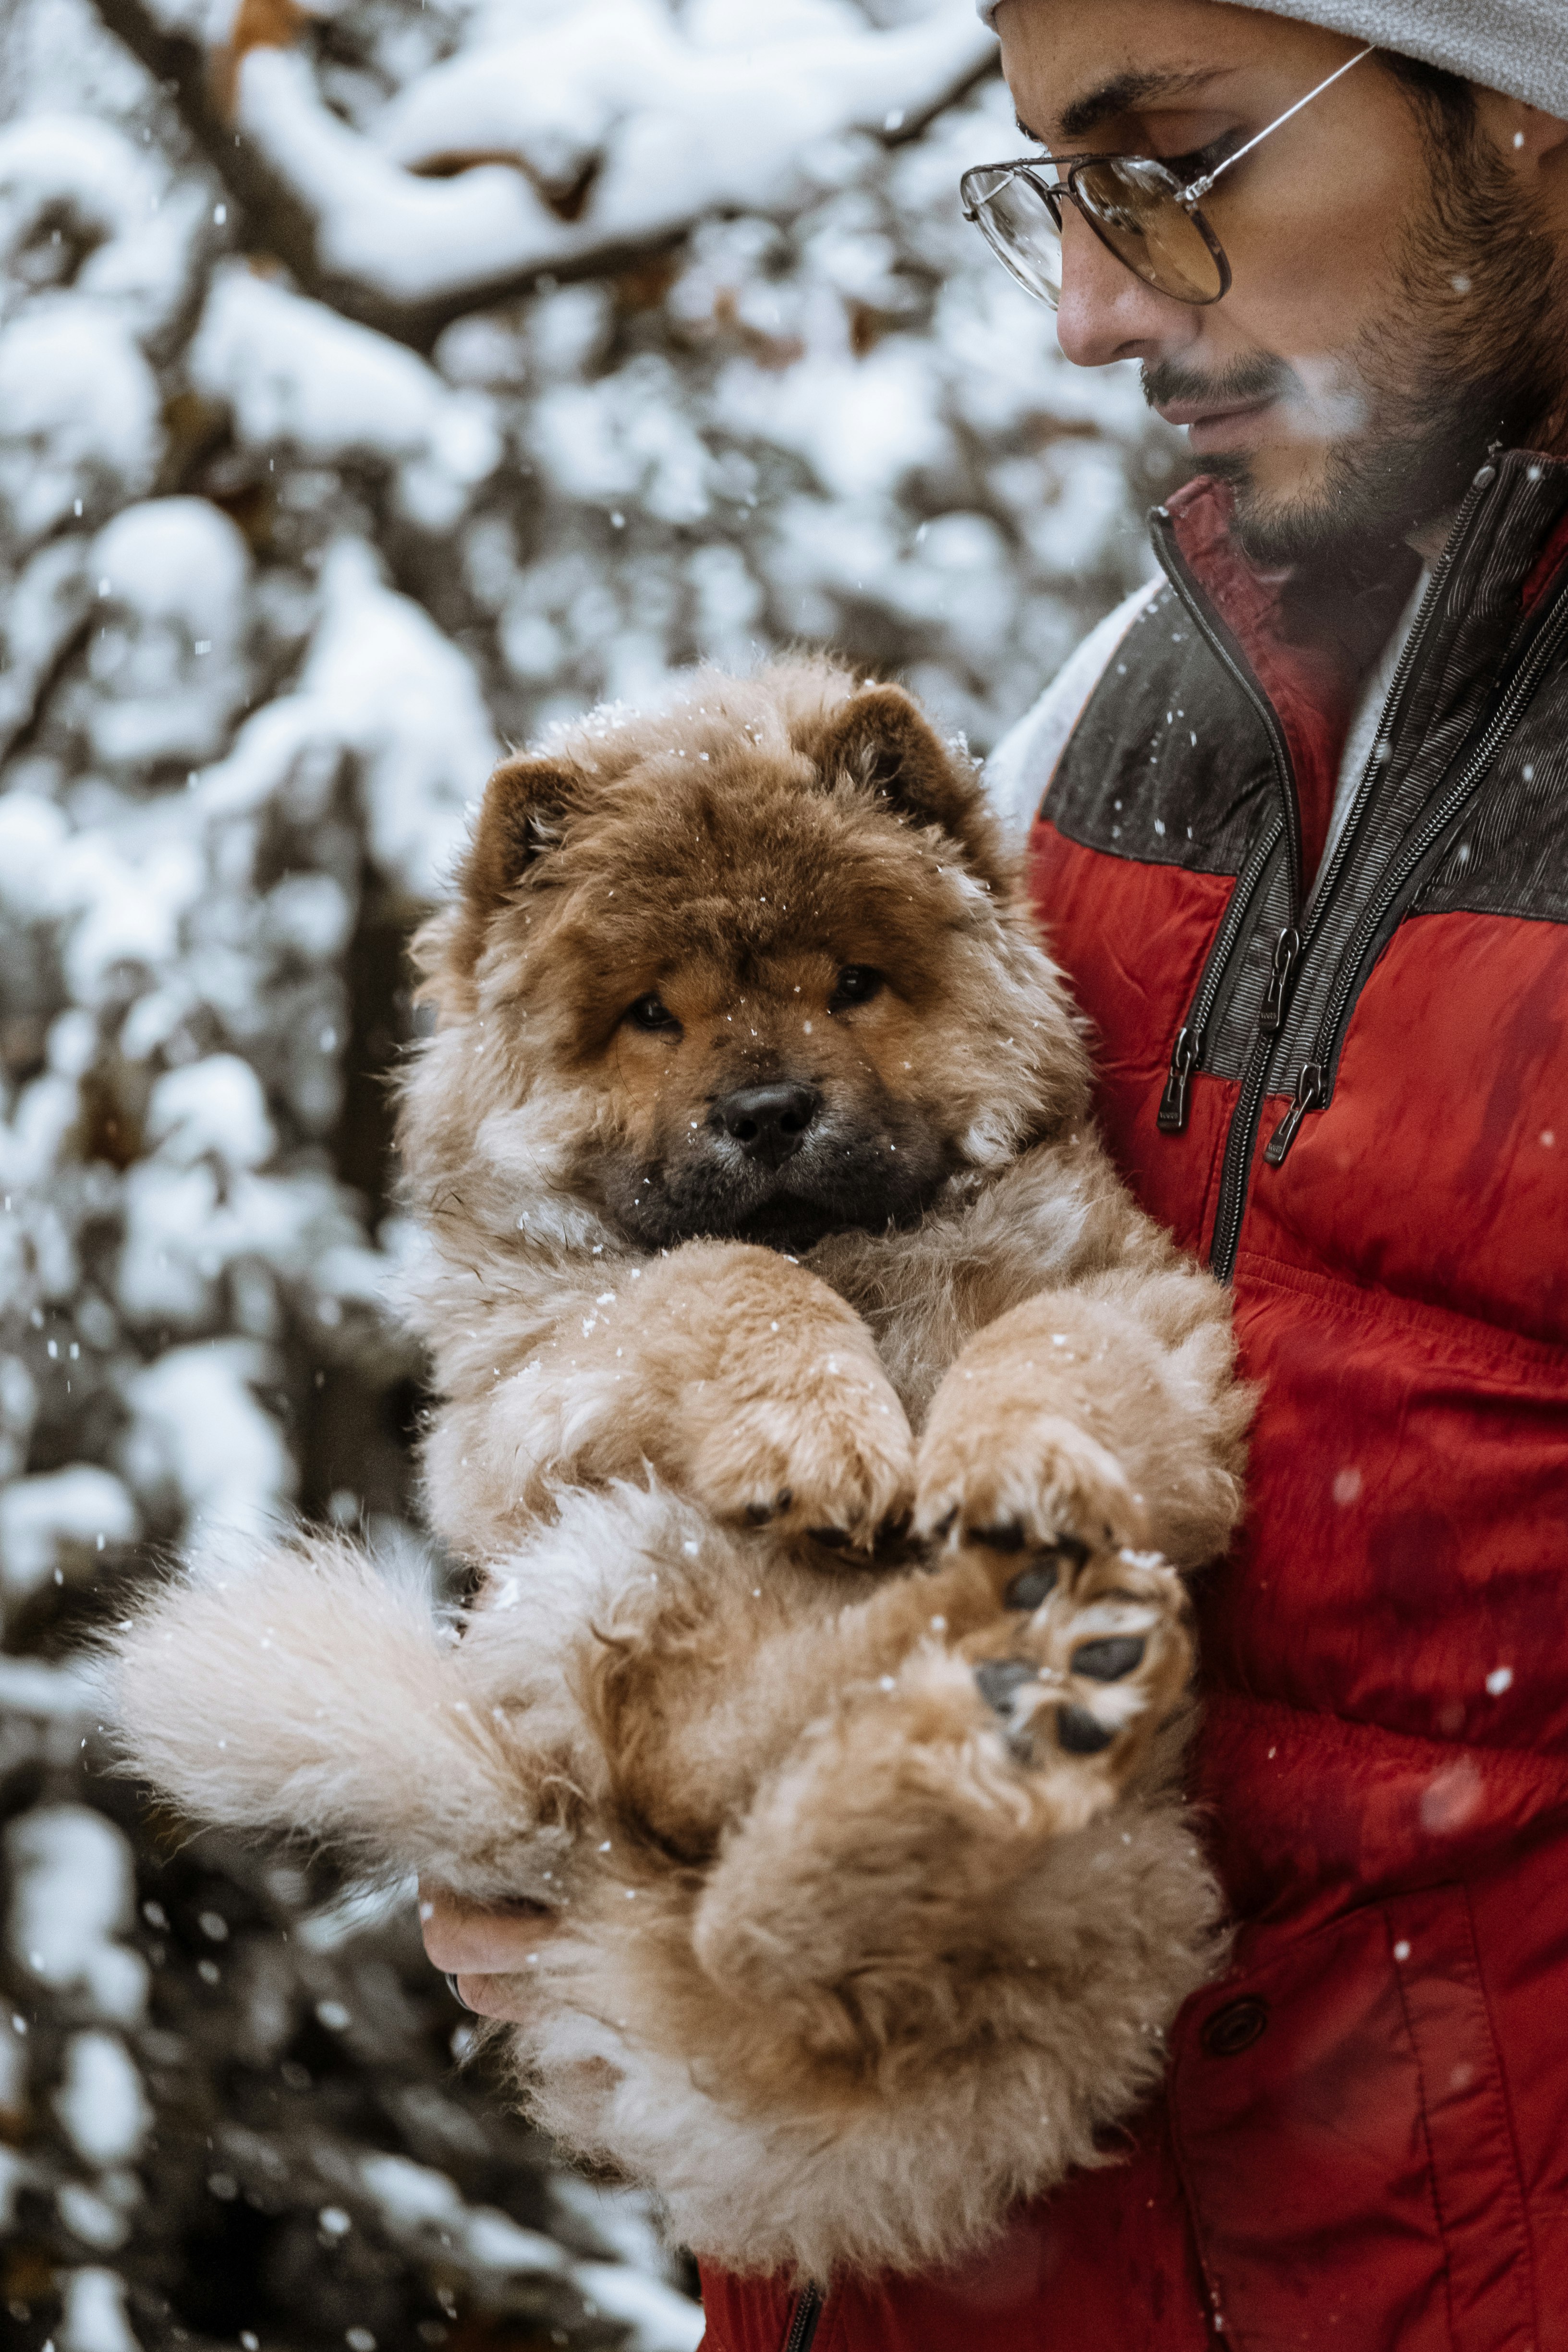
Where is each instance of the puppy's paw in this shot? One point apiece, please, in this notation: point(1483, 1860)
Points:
point(1034, 1482)
point(826, 1452)
point(1092, 1652)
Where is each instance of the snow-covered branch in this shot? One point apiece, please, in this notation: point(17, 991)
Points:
point(573, 149)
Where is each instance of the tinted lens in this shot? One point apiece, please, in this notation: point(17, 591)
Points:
point(1134, 206)
point(1019, 224)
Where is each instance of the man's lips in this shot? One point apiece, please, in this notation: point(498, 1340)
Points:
point(1218, 424)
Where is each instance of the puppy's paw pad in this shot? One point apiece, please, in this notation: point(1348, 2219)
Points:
point(1101, 1661)
point(1110, 1657)
point(1032, 1588)
point(1000, 1680)
point(1013, 1689)
point(1033, 1585)
point(1082, 1734)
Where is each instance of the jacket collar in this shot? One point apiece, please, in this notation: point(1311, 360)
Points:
point(1508, 550)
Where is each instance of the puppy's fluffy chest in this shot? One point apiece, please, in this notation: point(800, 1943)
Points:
point(920, 1289)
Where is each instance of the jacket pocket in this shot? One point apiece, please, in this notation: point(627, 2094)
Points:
point(1343, 2137)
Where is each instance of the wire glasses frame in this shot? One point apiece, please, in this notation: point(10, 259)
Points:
point(1136, 206)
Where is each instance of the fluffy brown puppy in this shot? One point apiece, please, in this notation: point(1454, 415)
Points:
point(831, 1428)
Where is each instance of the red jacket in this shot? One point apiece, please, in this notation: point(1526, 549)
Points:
point(1360, 1106)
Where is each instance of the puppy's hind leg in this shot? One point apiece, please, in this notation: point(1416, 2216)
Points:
point(862, 1861)
point(883, 1870)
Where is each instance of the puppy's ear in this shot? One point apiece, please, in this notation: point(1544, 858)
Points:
point(519, 820)
point(519, 817)
point(879, 736)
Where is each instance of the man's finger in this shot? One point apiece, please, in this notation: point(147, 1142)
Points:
point(493, 1997)
point(478, 1938)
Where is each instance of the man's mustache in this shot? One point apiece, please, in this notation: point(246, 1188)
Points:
point(1259, 379)
point(1323, 395)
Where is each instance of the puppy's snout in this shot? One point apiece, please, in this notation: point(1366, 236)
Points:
point(767, 1122)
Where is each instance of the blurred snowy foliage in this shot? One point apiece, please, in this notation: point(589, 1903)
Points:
point(376, 387)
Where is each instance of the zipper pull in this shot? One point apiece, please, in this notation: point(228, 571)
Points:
point(1173, 1101)
point(1286, 948)
point(1309, 1095)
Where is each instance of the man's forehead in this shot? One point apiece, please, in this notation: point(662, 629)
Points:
point(1078, 68)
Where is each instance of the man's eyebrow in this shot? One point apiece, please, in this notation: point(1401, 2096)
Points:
point(1124, 94)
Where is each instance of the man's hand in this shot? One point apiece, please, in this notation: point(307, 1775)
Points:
point(484, 1948)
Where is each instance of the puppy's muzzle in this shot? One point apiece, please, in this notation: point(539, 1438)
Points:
point(769, 1122)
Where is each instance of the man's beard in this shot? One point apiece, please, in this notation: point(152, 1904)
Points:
point(1470, 354)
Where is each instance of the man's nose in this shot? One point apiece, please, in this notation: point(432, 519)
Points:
point(1107, 312)
point(767, 1121)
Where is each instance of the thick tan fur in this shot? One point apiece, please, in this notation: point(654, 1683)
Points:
point(831, 1482)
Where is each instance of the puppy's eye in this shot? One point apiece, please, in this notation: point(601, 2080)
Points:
point(651, 1012)
point(856, 984)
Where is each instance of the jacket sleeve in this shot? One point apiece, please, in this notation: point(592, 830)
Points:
point(1018, 772)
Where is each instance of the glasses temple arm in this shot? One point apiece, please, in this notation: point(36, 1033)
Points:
point(1200, 188)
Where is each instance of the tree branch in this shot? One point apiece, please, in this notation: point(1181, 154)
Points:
point(372, 234)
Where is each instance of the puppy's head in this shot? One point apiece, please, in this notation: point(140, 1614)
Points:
point(751, 966)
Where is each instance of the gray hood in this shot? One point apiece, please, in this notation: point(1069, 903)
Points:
point(1517, 46)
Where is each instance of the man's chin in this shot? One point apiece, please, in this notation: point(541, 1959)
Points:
point(1283, 522)
point(1356, 506)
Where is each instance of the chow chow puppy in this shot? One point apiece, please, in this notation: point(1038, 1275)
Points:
point(832, 1433)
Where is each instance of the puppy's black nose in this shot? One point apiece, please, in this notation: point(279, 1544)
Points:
point(767, 1122)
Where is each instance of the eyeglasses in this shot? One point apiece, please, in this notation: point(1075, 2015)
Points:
point(1137, 207)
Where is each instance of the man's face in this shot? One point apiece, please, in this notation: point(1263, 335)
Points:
point(1396, 303)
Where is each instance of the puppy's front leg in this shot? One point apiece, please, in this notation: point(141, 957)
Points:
point(744, 1382)
point(1103, 1415)
point(769, 1400)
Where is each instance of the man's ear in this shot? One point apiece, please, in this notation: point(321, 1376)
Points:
point(879, 736)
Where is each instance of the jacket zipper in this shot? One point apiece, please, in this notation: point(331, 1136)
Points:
point(1187, 1051)
point(1310, 1091)
point(1190, 1039)
point(1238, 1147)
point(1290, 946)
point(1244, 1122)
point(1313, 1084)
point(802, 2320)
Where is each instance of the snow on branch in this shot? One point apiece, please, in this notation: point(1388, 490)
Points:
point(599, 134)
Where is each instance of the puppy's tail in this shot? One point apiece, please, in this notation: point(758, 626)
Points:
point(298, 1689)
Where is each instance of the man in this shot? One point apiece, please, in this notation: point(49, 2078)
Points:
point(1299, 836)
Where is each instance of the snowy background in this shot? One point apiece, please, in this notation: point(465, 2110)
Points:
point(378, 385)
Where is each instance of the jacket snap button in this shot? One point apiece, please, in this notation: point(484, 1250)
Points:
point(1236, 2027)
